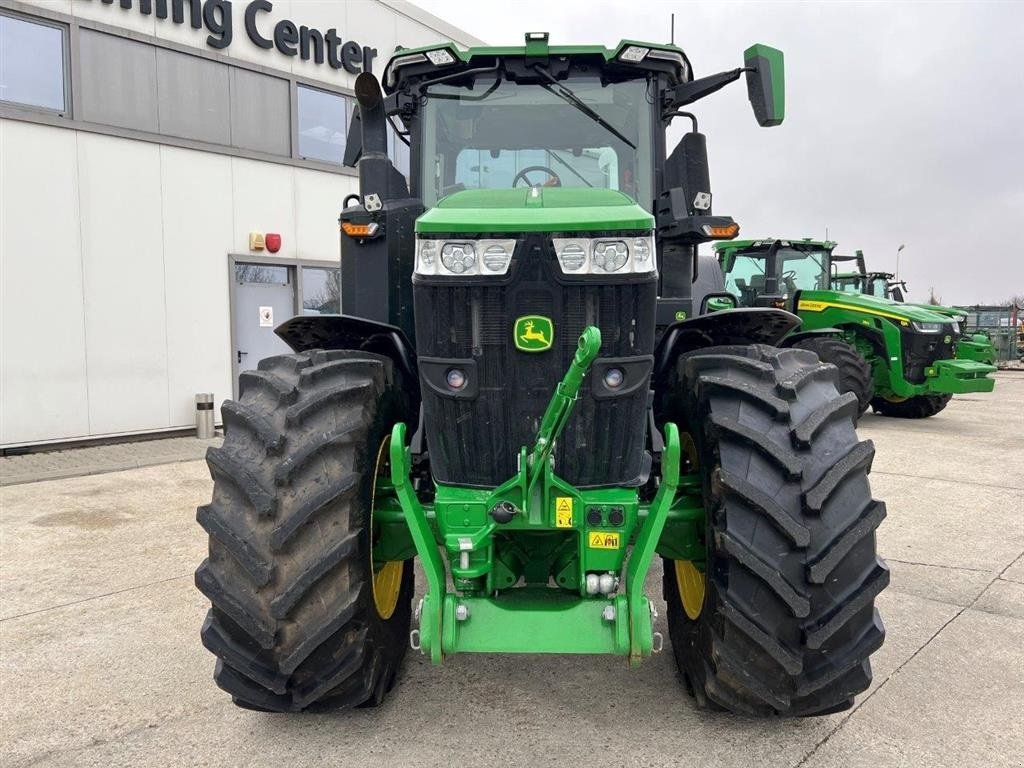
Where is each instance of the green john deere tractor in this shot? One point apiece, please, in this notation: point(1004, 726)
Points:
point(977, 347)
point(897, 358)
point(519, 395)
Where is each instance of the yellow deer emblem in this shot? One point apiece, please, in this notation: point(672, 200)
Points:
point(529, 334)
point(533, 333)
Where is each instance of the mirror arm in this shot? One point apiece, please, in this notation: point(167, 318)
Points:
point(687, 93)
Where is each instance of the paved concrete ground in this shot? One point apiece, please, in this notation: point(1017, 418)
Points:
point(100, 661)
point(97, 459)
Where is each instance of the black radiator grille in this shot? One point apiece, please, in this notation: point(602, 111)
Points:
point(921, 350)
point(476, 442)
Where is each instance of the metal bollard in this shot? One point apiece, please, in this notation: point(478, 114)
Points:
point(204, 416)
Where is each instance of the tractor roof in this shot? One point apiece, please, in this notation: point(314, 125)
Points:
point(628, 53)
point(741, 245)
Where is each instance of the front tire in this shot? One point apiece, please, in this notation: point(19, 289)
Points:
point(294, 621)
point(854, 371)
point(917, 407)
point(784, 622)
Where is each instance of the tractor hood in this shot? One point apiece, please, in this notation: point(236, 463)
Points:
point(950, 312)
point(534, 209)
point(872, 305)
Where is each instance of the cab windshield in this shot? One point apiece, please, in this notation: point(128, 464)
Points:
point(846, 283)
point(879, 287)
point(500, 134)
point(796, 270)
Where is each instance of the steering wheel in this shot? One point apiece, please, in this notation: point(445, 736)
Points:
point(788, 279)
point(554, 181)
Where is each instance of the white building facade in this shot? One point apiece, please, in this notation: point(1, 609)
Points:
point(147, 147)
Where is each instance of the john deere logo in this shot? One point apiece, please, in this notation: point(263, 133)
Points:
point(533, 333)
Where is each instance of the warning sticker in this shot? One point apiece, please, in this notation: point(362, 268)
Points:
point(563, 512)
point(600, 540)
point(266, 317)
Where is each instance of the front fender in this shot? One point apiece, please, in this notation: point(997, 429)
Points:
point(793, 338)
point(754, 325)
point(306, 332)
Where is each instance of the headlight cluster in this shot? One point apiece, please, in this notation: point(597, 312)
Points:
point(463, 257)
point(611, 255)
point(926, 327)
point(576, 256)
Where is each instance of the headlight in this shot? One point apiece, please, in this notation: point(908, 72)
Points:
point(459, 258)
point(463, 257)
point(439, 57)
point(926, 327)
point(572, 255)
point(497, 256)
point(588, 256)
point(634, 54)
point(610, 255)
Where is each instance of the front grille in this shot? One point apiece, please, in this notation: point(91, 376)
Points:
point(476, 441)
point(921, 350)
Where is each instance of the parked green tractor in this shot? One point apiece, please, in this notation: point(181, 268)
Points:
point(520, 396)
point(977, 346)
point(898, 359)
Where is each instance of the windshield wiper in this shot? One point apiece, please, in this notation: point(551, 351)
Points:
point(580, 176)
point(569, 97)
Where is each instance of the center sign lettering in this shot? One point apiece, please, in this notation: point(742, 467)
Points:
point(308, 43)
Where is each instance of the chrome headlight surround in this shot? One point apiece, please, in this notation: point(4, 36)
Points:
point(463, 257)
point(606, 255)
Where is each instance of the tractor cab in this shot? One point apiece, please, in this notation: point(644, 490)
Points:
point(770, 273)
point(558, 147)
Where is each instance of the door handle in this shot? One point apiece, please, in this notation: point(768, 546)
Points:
point(240, 353)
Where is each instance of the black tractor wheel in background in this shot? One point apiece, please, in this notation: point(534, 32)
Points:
point(779, 619)
point(919, 407)
point(301, 618)
point(854, 371)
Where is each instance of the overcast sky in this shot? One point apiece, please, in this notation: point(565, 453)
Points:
point(904, 122)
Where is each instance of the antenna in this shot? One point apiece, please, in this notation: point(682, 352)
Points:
point(672, 41)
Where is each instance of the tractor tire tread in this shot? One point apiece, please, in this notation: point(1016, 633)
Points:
point(788, 621)
point(855, 373)
point(917, 407)
point(293, 623)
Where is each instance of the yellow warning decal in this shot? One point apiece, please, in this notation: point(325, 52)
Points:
point(600, 540)
point(563, 512)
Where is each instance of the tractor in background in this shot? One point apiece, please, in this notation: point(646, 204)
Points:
point(976, 346)
point(899, 359)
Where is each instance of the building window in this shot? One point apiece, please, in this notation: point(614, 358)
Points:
point(262, 273)
point(32, 71)
point(323, 120)
point(321, 291)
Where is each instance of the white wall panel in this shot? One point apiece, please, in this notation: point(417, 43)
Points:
point(117, 16)
point(318, 199)
point(197, 238)
point(114, 288)
point(124, 283)
point(412, 35)
point(42, 339)
point(264, 201)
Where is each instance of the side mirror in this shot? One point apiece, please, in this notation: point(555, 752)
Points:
point(766, 84)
